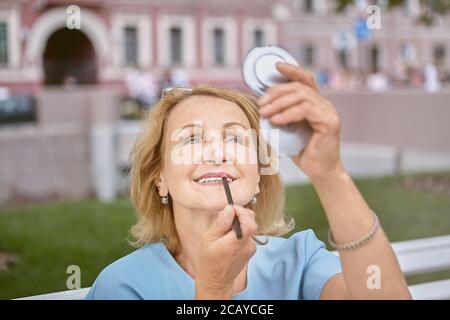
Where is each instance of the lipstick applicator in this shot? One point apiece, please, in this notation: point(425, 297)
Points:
point(236, 226)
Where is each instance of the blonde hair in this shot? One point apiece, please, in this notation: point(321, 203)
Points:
point(156, 221)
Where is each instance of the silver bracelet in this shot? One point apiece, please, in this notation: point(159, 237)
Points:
point(358, 243)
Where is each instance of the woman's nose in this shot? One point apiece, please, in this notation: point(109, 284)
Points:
point(214, 151)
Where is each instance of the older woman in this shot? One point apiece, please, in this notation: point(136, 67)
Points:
point(188, 248)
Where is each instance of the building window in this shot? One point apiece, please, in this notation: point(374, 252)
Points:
point(131, 46)
point(411, 7)
point(439, 54)
point(175, 45)
point(343, 59)
point(374, 59)
point(3, 43)
point(308, 55)
point(408, 52)
point(219, 46)
point(308, 6)
point(258, 38)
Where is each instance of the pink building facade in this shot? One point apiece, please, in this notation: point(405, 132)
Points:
point(207, 39)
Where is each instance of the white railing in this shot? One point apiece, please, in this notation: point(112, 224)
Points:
point(415, 257)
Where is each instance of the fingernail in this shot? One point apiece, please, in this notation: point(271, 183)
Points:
point(275, 118)
point(263, 111)
point(229, 210)
point(264, 99)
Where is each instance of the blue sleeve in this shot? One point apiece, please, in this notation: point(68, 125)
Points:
point(321, 265)
point(111, 286)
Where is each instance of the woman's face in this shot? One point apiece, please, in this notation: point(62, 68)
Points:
point(207, 136)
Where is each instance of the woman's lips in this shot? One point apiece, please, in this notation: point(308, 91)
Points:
point(213, 183)
point(214, 178)
point(216, 175)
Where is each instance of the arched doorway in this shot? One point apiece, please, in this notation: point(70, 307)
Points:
point(69, 56)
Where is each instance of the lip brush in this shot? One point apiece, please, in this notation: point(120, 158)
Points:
point(236, 226)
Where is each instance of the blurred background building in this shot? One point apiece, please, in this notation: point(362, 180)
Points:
point(66, 89)
point(207, 40)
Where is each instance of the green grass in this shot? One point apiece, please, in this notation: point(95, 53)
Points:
point(48, 238)
point(404, 214)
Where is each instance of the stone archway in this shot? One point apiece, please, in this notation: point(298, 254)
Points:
point(54, 20)
point(69, 56)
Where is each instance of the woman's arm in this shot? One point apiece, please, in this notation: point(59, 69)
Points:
point(350, 218)
point(348, 214)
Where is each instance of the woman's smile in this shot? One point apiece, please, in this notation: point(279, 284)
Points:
point(210, 181)
point(214, 178)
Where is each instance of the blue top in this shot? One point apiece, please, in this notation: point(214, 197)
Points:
point(293, 268)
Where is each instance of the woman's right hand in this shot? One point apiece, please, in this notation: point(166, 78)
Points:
point(221, 256)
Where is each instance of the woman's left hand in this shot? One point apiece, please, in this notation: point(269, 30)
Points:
point(300, 100)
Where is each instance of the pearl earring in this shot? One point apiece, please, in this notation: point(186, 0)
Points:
point(165, 200)
point(254, 200)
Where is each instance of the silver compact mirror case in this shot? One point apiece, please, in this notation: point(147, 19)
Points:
point(260, 73)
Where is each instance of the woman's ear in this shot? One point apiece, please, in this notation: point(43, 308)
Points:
point(257, 184)
point(162, 187)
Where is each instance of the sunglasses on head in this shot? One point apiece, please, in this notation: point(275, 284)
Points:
point(171, 89)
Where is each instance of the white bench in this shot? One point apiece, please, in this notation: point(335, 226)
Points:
point(425, 256)
point(415, 257)
point(77, 294)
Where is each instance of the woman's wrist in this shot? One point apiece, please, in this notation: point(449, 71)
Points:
point(331, 176)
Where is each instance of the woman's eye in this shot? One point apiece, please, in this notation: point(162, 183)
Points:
point(234, 139)
point(192, 139)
